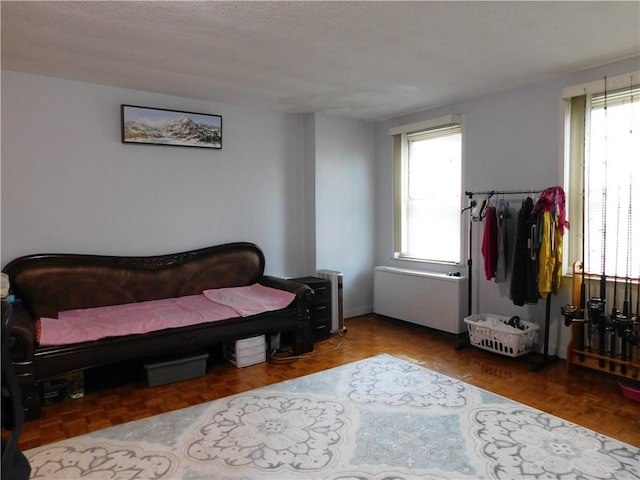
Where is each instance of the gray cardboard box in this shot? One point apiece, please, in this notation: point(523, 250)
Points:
point(176, 370)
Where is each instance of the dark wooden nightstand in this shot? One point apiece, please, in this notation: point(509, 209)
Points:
point(320, 308)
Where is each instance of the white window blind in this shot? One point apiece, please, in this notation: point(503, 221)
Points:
point(612, 164)
point(605, 165)
point(431, 195)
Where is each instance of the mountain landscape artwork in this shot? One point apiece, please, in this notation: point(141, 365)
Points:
point(170, 127)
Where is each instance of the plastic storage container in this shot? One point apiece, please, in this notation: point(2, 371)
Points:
point(631, 392)
point(176, 370)
point(492, 332)
point(247, 351)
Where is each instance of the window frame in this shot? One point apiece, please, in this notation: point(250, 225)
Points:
point(400, 153)
point(576, 106)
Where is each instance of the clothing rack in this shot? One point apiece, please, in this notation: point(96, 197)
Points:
point(546, 358)
point(501, 192)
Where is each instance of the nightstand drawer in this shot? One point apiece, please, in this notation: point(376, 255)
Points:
point(320, 286)
point(320, 331)
point(322, 292)
point(322, 310)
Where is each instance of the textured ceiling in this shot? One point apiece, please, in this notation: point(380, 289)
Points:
point(368, 60)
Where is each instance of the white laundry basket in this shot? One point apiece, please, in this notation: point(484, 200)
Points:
point(492, 332)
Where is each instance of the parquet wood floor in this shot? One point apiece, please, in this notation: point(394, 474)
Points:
point(585, 397)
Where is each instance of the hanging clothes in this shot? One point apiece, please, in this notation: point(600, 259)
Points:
point(502, 210)
point(490, 243)
point(550, 256)
point(532, 267)
point(552, 223)
point(521, 254)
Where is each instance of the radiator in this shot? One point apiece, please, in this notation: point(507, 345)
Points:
point(337, 314)
point(434, 300)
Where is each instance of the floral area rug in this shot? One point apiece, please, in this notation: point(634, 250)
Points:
point(377, 419)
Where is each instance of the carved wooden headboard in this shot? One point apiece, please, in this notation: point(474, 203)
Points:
point(49, 283)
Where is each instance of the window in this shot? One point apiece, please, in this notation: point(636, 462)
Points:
point(603, 152)
point(428, 190)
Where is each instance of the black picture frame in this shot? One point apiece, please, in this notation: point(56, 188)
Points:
point(175, 128)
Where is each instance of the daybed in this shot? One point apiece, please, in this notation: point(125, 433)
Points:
point(47, 284)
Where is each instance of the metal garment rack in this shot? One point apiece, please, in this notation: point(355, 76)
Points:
point(546, 359)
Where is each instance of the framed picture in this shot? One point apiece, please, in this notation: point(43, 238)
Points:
point(157, 126)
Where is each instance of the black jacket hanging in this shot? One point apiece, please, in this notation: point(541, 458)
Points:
point(521, 254)
point(533, 258)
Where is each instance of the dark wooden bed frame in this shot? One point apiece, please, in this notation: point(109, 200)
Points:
point(46, 284)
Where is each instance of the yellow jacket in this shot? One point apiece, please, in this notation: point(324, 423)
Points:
point(550, 256)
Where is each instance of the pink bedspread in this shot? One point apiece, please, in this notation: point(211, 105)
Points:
point(85, 325)
point(250, 300)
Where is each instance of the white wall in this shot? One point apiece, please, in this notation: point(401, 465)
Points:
point(345, 179)
point(512, 141)
point(314, 191)
point(70, 185)
point(309, 198)
point(300, 186)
